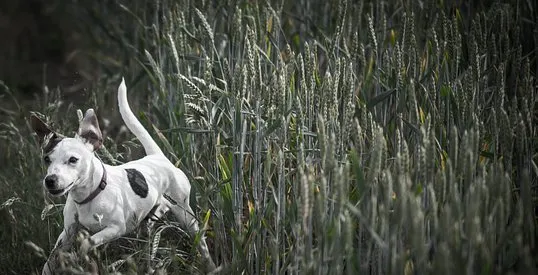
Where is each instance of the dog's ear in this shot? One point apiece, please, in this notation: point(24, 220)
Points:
point(48, 139)
point(40, 128)
point(89, 130)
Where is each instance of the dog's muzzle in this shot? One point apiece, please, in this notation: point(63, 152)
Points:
point(51, 185)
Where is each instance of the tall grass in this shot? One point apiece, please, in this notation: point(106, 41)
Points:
point(320, 137)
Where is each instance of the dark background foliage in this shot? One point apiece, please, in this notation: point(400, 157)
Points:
point(322, 136)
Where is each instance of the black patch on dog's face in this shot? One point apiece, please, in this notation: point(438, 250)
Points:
point(138, 182)
point(51, 144)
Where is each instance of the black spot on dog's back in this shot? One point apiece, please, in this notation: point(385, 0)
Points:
point(138, 182)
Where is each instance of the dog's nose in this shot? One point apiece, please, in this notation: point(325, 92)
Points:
point(50, 181)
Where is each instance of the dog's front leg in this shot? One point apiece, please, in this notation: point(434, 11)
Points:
point(108, 234)
point(65, 240)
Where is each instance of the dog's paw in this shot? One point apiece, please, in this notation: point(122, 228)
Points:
point(85, 246)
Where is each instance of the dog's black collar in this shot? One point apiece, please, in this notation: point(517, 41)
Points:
point(101, 187)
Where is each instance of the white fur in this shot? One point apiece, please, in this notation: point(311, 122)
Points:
point(117, 210)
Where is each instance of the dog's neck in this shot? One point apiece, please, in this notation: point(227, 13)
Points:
point(90, 183)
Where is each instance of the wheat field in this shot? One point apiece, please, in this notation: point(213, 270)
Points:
point(320, 137)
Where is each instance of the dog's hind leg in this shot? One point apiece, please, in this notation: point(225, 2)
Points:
point(178, 200)
point(186, 217)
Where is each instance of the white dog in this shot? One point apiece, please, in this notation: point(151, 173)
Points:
point(110, 201)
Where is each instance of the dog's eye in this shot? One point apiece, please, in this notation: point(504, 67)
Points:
point(73, 160)
point(46, 159)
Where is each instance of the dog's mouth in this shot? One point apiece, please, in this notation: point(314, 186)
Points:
point(58, 192)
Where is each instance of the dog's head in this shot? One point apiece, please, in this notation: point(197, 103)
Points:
point(68, 160)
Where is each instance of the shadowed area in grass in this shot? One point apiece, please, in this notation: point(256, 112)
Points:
point(334, 137)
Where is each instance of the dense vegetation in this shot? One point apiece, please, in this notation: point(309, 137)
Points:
point(320, 137)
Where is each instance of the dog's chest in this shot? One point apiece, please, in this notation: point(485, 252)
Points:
point(114, 209)
point(98, 214)
point(97, 221)
point(93, 222)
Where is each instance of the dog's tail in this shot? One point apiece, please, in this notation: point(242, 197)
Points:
point(133, 124)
